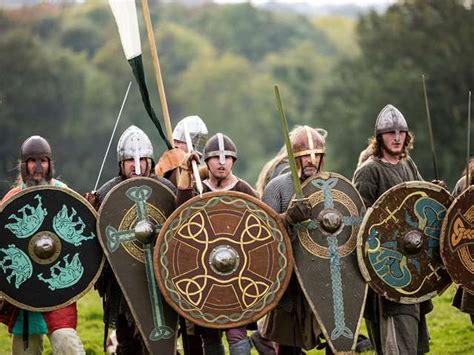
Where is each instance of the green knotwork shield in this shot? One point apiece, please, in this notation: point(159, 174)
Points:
point(223, 260)
point(398, 246)
point(130, 218)
point(49, 252)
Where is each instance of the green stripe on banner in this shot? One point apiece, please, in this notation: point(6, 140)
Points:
point(137, 67)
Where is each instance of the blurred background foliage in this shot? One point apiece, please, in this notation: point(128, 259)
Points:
point(63, 76)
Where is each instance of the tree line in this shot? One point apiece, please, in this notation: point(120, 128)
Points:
point(64, 76)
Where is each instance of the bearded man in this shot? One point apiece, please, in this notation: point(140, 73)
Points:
point(393, 328)
point(292, 324)
point(36, 169)
point(135, 159)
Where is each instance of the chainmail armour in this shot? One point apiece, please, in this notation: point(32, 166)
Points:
point(289, 324)
point(279, 192)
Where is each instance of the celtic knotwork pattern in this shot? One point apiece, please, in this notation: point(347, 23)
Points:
point(30, 221)
point(16, 261)
point(328, 189)
point(352, 220)
point(193, 229)
point(64, 276)
point(69, 230)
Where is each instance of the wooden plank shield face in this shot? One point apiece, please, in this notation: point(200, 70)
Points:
point(223, 260)
point(326, 261)
point(399, 243)
point(121, 216)
point(49, 252)
point(457, 240)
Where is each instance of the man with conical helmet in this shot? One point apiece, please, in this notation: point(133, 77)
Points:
point(292, 323)
point(135, 159)
point(220, 155)
point(36, 169)
point(393, 327)
point(169, 162)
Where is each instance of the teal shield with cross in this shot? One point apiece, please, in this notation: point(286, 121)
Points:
point(326, 246)
point(130, 218)
point(50, 255)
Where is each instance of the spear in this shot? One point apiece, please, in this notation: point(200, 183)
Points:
point(112, 137)
point(189, 145)
point(435, 164)
point(291, 158)
point(156, 66)
point(468, 157)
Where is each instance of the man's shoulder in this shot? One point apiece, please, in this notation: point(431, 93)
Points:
point(165, 182)
point(245, 187)
point(278, 185)
point(11, 193)
point(106, 187)
point(282, 180)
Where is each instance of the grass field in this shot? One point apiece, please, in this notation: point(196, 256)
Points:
point(451, 330)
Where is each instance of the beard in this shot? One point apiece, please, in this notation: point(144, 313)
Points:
point(393, 153)
point(31, 182)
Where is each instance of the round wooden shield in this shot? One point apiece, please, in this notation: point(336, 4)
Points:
point(327, 247)
point(398, 246)
point(223, 260)
point(125, 206)
point(457, 240)
point(49, 252)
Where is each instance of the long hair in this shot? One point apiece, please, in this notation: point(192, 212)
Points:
point(375, 146)
point(269, 168)
point(471, 171)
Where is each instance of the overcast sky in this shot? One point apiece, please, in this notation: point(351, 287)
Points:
point(316, 2)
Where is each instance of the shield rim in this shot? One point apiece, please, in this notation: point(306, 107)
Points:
point(360, 243)
point(104, 248)
point(264, 310)
point(67, 190)
point(327, 174)
point(444, 231)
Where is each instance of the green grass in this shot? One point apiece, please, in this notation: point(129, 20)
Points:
point(451, 331)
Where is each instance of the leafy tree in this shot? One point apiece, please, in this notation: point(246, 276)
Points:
point(413, 38)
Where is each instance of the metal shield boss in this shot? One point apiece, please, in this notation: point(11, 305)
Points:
point(223, 260)
point(49, 252)
point(326, 260)
point(457, 240)
point(399, 243)
point(130, 218)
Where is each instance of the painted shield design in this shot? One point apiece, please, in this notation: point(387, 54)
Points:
point(130, 218)
point(457, 240)
point(399, 243)
point(326, 247)
point(49, 252)
point(223, 260)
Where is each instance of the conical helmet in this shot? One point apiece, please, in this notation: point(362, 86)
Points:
point(36, 148)
point(197, 130)
point(390, 119)
point(308, 141)
point(220, 146)
point(134, 144)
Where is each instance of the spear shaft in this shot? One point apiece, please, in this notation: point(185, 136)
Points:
point(156, 66)
point(435, 164)
point(468, 157)
point(291, 158)
point(112, 136)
